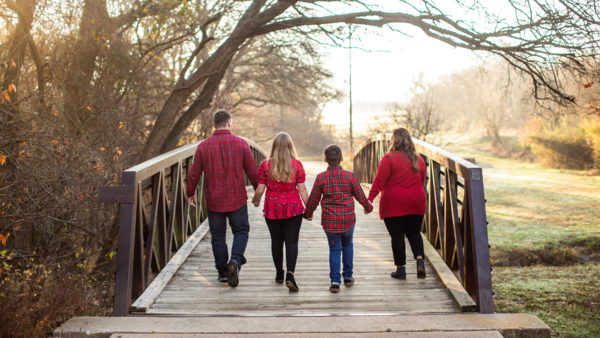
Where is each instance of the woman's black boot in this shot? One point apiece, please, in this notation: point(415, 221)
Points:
point(400, 272)
point(279, 277)
point(421, 268)
point(290, 282)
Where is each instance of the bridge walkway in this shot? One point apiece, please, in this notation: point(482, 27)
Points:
point(195, 290)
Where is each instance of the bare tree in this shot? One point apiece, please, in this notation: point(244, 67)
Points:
point(21, 39)
point(420, 114)
point(490, 97)
point(267, 72)
point(537, 41)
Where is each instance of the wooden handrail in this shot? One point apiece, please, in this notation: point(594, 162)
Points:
point(150, 233)
point(456, 227)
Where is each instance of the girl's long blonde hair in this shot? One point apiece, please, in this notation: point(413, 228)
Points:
point(402, 142)
point(282, 153)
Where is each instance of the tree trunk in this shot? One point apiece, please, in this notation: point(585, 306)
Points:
point(18, 47)
point(252, 20)
point(94, 24)
point(202, 102)
point(39, 65)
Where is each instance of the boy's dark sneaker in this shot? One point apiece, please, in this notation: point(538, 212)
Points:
point(233, 272)
point(421, 268)
point(290, 282)
point(279, 277)
point(223, 276)
point(349, 282)
point(335, 288)
point(400, 273)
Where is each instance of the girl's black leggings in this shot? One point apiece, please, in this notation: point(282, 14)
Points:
point(409, 226)
point(285, 231)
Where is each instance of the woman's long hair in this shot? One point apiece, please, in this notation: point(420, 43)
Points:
point(402, 142)
point(282, 153)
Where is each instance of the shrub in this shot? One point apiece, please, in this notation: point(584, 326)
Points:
point(34, 298)
point(550, 254)
point(562, 145)
point(592, 135)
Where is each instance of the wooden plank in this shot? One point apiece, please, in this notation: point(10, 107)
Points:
point(335, 305)
point(143, 303)
point(295, 312)
point(281, 291)
point(458, 293)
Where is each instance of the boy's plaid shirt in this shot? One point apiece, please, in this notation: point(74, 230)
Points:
point(223, 158)
point(337, 186)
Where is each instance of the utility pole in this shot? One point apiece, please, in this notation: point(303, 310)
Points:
point(350, 83)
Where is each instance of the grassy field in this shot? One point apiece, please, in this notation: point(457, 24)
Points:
point(544, 233)
point(529, 206)
point(566, 298)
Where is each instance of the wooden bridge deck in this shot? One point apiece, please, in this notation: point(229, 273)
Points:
point(195, 290)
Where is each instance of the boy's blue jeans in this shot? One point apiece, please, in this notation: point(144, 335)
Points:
point(340, 244)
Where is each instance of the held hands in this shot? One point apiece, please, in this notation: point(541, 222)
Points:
point(372, 208)
point(307, 217)
point(192, 200)
point(256, 200)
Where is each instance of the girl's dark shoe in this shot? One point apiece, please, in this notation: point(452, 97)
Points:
point(400, 273)
point(421, 268)
point(223, 276)
point(279, 277)
point(290, 282)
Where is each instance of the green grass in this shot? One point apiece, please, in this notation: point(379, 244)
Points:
point(529, 206)
point(535, 211)
point(565, 298)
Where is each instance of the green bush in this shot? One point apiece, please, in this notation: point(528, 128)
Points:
point(563, 145)
point(591, 126)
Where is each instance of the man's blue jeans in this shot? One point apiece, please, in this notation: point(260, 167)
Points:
point(340, 244)
point(238, 221)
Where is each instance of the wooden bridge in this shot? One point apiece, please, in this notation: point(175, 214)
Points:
point(165, 263)
point(165, 267)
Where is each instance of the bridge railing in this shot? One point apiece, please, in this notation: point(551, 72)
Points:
point(455, 221)
point(155, 218)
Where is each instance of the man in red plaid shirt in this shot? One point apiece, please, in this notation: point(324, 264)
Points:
point(337, 186)
point(224, 158)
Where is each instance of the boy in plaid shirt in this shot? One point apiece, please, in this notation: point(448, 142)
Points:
point(337, 186)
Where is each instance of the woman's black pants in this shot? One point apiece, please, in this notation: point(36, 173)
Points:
point(285, 231)
point(409, 226)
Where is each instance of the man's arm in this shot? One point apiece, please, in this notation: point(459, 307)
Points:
point(250, 166)
point(194, 176)
point(314, 199)
point(359, 194)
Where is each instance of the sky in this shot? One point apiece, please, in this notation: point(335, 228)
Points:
point(385, 73)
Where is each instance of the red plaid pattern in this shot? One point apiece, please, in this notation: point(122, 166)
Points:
point(223, 158)
point(337, 186)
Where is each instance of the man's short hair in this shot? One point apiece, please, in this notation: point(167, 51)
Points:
point(221, 117)
point(333, 155)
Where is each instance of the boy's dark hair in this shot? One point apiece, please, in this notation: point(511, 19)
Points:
point(221, 117)
point(333, 154)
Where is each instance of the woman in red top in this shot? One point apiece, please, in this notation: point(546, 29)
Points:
point(283, 177)
point(400, 179)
